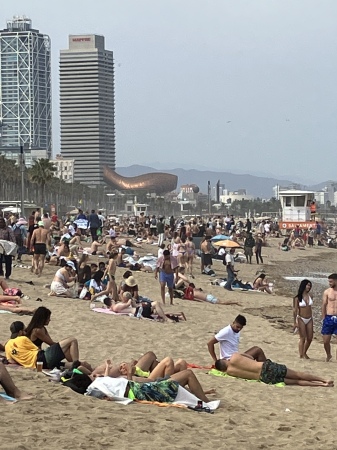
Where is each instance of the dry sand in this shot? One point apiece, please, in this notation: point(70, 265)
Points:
point(252, 415)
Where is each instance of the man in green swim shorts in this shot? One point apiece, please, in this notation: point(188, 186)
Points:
point(244, 366)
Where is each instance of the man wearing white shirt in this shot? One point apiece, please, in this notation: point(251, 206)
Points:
point(229, 338)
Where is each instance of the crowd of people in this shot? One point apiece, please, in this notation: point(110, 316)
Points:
point(66, 245)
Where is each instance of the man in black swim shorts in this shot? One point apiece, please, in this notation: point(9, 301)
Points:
point(244, 366)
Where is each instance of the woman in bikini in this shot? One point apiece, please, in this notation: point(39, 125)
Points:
point(260, 284)
point(190, 253)
point(303, 319)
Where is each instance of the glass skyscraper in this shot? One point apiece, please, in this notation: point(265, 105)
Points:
point(25, 90)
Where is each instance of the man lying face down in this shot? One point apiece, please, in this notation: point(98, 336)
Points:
point(244, 366)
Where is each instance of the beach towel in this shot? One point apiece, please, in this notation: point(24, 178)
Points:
point(218, 373)
point(5, 312)
point(108, 311)
point(196, 366)
point(112, 388)
point(7, 397)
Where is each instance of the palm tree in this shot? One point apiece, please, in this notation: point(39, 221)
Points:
point(42, 172)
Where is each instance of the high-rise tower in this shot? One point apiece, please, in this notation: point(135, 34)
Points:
point(87, 107)
point(25, 89)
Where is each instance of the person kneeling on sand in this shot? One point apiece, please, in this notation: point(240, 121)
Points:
point(59, 286)
point(21, 350)
point(10, 388)
point(244, 366)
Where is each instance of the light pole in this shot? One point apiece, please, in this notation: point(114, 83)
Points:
point(22, 167)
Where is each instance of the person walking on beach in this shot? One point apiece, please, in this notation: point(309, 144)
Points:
point(167, 266)
point(94, 224)
point(243, 366)
point(329, 314)
point(303, 319)
point(40, 240)
point(258, 249)
point(229, 260)
point(248, 247)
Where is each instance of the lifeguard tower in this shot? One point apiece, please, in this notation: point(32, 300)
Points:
point(298, 208)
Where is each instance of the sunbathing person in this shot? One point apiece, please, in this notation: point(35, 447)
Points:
point(129, 305)
point(9, 386)
point(244, 366)
point(200, 296)
point(165, 391)
point(59, 286)
point(12, 303)
point(147, 367)
point(260, 284)
point(21, 350)
point(5, 297)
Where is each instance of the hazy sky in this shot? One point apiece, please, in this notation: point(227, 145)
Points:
point(247, 85)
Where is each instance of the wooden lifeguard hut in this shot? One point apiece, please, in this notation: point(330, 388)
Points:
point(298, 208)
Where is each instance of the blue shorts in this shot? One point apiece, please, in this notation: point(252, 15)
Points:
point(329, 325)
point(167, 278)
point(210, 298)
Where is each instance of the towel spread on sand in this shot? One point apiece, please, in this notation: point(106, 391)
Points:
point(7, 397)
point(108, 311)
point(5, 312)
point(218, 373)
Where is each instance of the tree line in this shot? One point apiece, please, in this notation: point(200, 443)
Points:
point(43, 188)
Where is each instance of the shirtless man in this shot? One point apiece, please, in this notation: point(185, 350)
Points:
point(200, 296)
point(147, 368)
point(40, 240)
point(167, 266)
point(329, 314)
point(206, 257)
point(244, 366)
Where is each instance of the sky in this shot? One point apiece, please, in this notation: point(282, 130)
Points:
point(240, 85)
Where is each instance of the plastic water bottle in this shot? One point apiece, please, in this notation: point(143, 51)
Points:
point(139, 312)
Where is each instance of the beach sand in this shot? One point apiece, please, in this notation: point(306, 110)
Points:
point(251, 415)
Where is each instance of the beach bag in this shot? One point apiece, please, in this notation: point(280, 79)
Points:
point(189, 293)
point(209, 271)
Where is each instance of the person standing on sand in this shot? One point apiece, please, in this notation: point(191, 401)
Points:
point(243, 366)
point(6, 234)
point(329, 314)
point(39, 241)
point(303, 319)
point(167, 266)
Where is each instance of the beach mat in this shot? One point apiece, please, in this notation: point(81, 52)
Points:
point(7, 397)
point(218, 373)
point(5, 312)
point(108, 311)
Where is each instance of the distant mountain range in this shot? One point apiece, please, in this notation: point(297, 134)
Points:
point(257, 186)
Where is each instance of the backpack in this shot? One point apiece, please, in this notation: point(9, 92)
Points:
point(17, 231)
point(153, 222)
